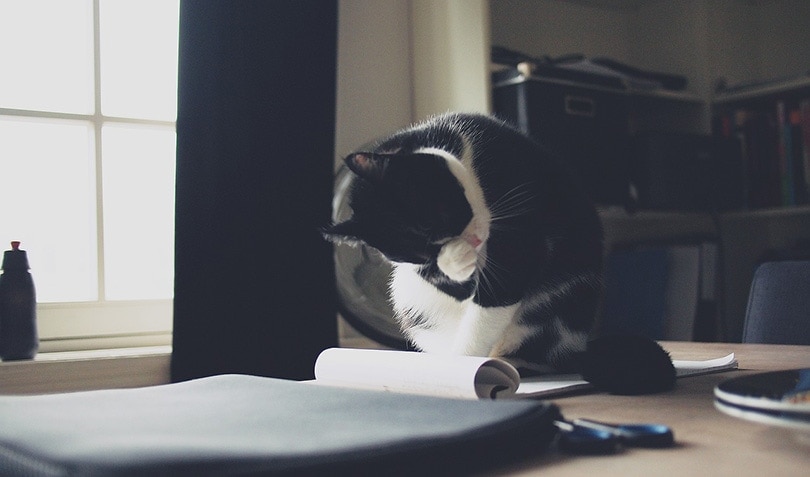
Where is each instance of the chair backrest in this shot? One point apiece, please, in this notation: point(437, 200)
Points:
point(779, 304)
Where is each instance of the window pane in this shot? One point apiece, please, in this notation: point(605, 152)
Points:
point(139, 58)
point(138, 187)
point(46, 53)
point(48, 202)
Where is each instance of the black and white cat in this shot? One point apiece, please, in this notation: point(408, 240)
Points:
point(496, 249)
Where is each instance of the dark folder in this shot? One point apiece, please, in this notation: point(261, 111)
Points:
point(247, 425)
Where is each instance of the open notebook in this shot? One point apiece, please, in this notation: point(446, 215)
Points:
point(460, 376)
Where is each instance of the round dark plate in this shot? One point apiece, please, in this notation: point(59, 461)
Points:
point(778, 397)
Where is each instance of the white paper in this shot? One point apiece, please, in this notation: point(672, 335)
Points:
point(551, 385)
point(694, 368)
point(468, 377)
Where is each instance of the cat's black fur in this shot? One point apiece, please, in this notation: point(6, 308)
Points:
point(510, 245)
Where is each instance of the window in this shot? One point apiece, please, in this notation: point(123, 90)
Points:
point(87, 157)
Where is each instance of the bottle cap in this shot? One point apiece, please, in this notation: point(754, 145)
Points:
point(15, 259)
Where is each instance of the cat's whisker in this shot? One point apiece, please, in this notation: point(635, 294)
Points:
point(490, 276)
point(514, 203)
point(513, 214)
point(485, 282)
point(518, 193)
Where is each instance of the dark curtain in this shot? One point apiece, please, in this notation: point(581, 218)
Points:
point(254, 281)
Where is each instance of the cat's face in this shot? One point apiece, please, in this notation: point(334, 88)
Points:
point(406, 206)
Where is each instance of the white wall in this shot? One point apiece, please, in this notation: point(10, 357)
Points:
point(400, 61)
point(374, 94)
point(783, 37)
point(555, 28)
point(739, 40)
point(674, 37)
point(450, 56)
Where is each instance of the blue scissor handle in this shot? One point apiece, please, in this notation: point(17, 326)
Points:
point(584, 436)
point(583, 440)
point(633, 435)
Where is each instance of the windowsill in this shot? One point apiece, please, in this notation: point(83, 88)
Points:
point(104, 325)
point(87, 370)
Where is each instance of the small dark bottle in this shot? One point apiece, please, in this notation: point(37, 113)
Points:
point(18, 325)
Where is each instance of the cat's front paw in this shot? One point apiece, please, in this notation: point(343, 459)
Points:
point(458, 259)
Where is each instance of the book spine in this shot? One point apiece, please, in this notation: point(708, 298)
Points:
point(739, 119)
point(773, 194)
point(804, 109)
point(797, 156)
point(784, 150)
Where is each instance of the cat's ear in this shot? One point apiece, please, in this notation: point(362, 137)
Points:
point(347, 232)
point(367, 165)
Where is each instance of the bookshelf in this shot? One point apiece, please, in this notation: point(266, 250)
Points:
point(775, 159)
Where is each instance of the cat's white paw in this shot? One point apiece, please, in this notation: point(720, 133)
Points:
point(458, 259)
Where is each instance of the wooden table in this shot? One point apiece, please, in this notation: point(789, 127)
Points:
point(708, 442)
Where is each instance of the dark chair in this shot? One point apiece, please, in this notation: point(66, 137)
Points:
point(779, 304)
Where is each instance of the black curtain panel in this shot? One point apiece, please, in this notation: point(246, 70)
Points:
point(254, 280)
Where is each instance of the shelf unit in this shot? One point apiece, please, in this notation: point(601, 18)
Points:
point(772, 123)
point(708, 42)
point(788, 87)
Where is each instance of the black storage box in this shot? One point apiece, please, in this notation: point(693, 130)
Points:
point(689, 172)
point(582, 117)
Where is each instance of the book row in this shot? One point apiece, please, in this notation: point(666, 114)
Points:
point(774, 140)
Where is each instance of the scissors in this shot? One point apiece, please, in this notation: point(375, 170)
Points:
point(584, 436)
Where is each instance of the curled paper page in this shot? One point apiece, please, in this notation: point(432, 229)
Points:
point(685, 368)
point(466, 377)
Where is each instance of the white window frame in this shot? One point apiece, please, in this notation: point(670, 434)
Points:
point(100, 324)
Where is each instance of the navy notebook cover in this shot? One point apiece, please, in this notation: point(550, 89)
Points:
point(246, 425)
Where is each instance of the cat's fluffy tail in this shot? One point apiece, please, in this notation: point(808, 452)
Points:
point(627, 364)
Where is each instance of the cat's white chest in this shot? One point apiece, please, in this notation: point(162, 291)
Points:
point(446, 325)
